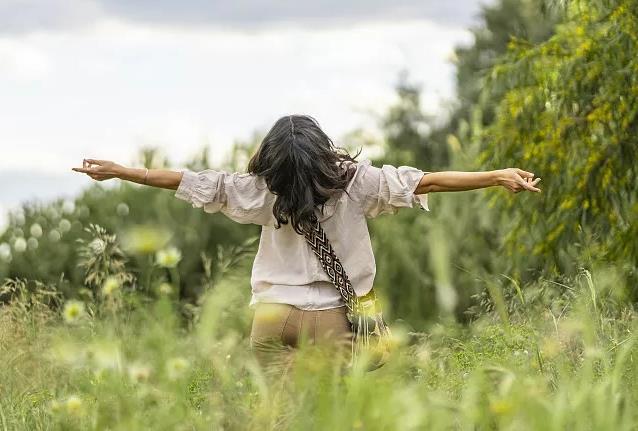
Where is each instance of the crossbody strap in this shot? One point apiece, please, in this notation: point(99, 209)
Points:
point(321, 246)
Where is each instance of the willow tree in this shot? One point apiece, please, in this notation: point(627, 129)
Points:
point(568, 113)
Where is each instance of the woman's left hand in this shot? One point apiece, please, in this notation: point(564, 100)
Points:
point(102, 169)
point(516, 180)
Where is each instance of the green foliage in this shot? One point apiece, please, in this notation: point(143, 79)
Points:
point(568, 114)
point(49, 233)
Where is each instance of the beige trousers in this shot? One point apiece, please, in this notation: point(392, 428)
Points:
point(279, 329)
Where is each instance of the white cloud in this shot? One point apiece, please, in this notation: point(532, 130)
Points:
point(103, 91)
point(21, 61)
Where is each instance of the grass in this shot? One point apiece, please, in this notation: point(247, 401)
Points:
point(130, 362)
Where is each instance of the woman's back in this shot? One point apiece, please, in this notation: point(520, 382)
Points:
point(285, 269)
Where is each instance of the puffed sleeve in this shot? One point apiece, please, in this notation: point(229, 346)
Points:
point(384, 190)
point(243, 198)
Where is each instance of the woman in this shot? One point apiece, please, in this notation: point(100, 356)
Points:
point(296, 175)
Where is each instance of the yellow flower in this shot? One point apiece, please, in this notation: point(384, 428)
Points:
point(73, 311)
point(500, 407)
point(165, 288)
point(111, 284)
point(145, 239)
point(176, 367)
point(55, 406)
point(74, 405)
point(169, 257)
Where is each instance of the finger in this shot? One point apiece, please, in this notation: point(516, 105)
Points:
point(83, 170)
point(523, 173)
point(519, 180)
point(96, 161)
point(531, 188)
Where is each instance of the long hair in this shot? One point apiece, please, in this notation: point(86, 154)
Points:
point(302, 167)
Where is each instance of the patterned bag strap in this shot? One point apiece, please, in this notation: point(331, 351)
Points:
point(321, 246)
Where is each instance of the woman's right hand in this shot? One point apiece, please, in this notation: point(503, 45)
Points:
point(100, 170)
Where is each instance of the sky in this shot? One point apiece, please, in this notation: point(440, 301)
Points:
point(102, 78)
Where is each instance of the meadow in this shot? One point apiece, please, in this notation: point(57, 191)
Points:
point(126, 309)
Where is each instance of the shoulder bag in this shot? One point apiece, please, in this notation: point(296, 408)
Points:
point(371, 340)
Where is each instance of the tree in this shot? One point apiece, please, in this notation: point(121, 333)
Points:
point(567, 111)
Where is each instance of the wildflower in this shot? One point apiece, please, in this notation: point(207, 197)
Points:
point(176, 367)
point(106, 355)
point(165, 288)
point(73, 405)
point(122, 209)
point(5, 252)
point(69, 353)
point(145, 239)
point(111, 284)
point(20, 245)
point(64, 225)
point(97, 246)
point(32, 243)
point(169, 257)
point(54, 235)
point(55, 406)
point(36, 230)
point(68, 207)
point(73, 311)
point(139, 372)
point(19, 218)
point(500, 407)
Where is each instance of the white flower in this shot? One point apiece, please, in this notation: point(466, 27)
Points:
point(53, 213)
point(168, 257)
point(68, 207)
point(106, 355)
point(111, 284)
point(97, 246)
point(20, 245)
point(54, 235)
point(19, 218)
point(176, 367)
point(64, 225)
point(5, 252)
point(139, 372)
point(36, 230)
point(122, 209)
point(32, 243)
point(73, 311)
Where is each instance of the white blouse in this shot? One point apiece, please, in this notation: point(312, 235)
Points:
point(285, 269)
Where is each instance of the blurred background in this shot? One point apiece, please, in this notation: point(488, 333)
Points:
point(547, 86)
point(87, 78)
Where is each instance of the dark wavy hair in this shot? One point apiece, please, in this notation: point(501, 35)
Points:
point(302, 167)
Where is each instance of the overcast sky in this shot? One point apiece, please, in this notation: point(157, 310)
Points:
point(100, 78)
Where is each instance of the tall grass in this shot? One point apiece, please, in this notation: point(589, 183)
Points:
point(128, 357)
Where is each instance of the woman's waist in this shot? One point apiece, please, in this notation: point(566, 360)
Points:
point(313, 296)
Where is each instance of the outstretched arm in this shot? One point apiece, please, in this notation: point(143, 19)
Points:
point(513, 179)
point(101, 170)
